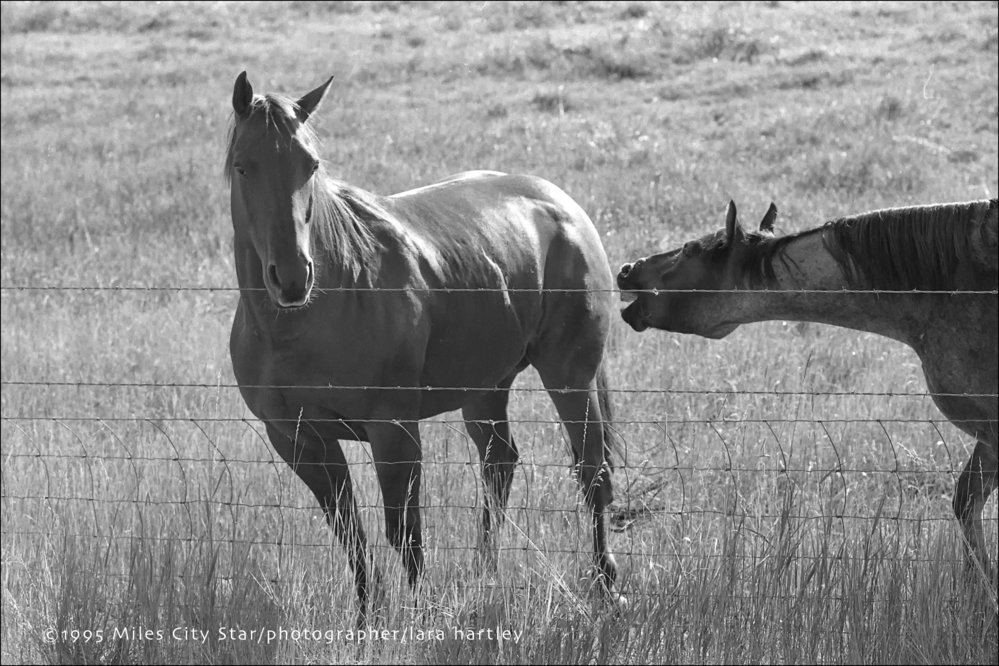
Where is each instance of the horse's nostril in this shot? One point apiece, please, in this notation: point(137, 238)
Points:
point(272, 275)
point(625, 270)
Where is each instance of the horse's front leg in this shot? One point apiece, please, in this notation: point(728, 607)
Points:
point(321, 464)
point(397, 453)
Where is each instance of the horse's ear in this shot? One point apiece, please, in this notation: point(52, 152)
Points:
point(733, 232)
point(767, 223)
point(311, 100)
point(242, 95)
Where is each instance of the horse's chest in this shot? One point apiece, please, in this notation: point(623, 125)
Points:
point(961, 364)
point(308, 373)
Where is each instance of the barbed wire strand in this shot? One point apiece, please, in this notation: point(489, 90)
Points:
point(547, 511)
point(433, 546)
point(514, 389)
point(459, 290)
point(538, 421)
point(475, 464)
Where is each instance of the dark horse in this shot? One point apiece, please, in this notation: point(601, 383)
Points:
point(359, 315)
point(896, 272)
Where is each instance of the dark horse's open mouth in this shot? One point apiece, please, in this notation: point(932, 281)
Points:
point(635, 314)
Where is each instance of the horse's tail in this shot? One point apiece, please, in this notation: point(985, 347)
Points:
point(612, 440)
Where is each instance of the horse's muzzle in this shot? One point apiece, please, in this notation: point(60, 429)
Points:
point(626, 284)
point(635, 314)
point(290, 287)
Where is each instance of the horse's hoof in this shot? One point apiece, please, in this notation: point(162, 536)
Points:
point(615, 603)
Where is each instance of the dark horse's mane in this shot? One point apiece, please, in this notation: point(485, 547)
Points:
point(341, 213)
point(917, 247)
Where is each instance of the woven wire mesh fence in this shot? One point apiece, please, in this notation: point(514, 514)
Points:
point(181, 463)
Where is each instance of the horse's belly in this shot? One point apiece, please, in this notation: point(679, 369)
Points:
point(477, 347)
point(331, 373)
point(434, 402)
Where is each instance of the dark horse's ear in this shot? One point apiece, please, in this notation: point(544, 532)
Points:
point(733, 232)
point(767, 223)
point(242, 95)
point(311, 100)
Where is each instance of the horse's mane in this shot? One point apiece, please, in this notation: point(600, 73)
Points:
point(342, 215)
point(343, 218)
point(917, 247)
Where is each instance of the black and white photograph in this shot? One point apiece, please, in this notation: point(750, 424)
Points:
point(563, 332)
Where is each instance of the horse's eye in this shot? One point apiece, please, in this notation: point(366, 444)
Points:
point(240, 170)
point(315, 166)
point(691, 249)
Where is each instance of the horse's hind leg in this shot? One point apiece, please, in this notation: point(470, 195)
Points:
point(487, 422)
point(321, 465)
point(578, 405)
point(974, 486)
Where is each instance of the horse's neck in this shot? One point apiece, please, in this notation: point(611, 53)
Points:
point(807, 265)
point(804, 288)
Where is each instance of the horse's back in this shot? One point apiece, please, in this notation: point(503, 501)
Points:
point(453, 179)
point(492, 211)
point(484, 189)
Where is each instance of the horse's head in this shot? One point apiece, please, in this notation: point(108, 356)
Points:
point(709, 267)
point(271, 165)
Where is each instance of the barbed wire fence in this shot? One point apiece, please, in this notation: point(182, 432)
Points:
point(65, 467)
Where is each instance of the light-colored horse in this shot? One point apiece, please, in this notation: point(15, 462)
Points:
point(815, 275)
point(359, 315)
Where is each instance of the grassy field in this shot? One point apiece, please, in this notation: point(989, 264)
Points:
point(786, 491)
